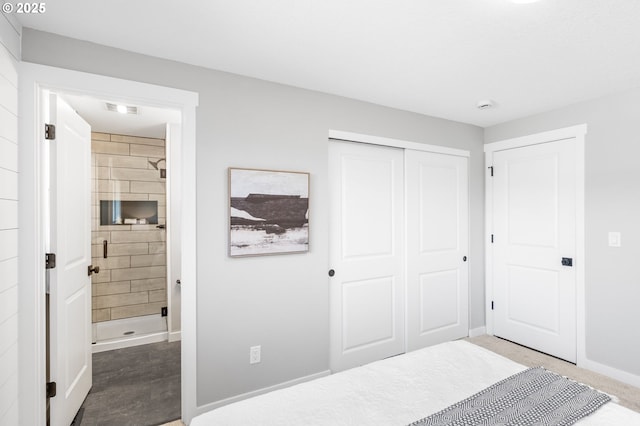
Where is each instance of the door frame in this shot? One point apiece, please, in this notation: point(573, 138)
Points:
point(34, 81)
point(579, 133)
point(344, 136)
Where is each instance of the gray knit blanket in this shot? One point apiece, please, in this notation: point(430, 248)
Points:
point(532, 397)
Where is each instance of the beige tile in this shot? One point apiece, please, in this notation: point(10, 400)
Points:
point(138, 273)
point(103, 185)
point(120, 249)
point(156, 248)
point(148, 227)
point(147, 151)
point(101, 147)
point(148, 260)
point(137, 310)
point(137, 140)
point(149, 284)
point(96, 197)
point(148, 187)
point(99, 315)
point(112, 262)
point(127, 161)
point(121, 228)
point(157, 296)
point(103, 289)
point(102, 172)
point(160, 198)
point(102, 277)
point(96, 136)
point(136, 174)
point(97, 237)
point(125, 299)
point(138, 236)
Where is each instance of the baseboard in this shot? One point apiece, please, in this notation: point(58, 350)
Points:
point(174, 336)
point(614, 373)
point(478, 331)
point(213, 405)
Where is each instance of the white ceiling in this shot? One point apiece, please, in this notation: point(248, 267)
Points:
point(149, 122)
point(436, 57)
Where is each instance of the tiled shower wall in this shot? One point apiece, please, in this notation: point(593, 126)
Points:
point(132, 279)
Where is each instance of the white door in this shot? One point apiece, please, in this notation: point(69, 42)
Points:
point(366, 253)
point(437, 248)
point(534, 228)
point(70, 240)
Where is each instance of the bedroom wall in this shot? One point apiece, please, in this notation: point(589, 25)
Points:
point(278, 302)
point(9, 56)
point(612, 203)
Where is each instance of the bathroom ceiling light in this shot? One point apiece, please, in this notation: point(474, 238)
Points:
point(122, 109)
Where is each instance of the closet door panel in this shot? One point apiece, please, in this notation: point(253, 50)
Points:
point(437, 248)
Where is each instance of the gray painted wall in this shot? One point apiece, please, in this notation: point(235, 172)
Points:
point(612, 203)
point(279, 302)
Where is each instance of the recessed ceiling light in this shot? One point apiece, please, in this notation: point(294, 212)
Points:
point(122, 109)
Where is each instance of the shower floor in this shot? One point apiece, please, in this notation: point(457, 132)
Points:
point(139, 385)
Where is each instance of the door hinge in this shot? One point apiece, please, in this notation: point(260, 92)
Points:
point(491, 238)
point(491, 168)
point(50, 260)
point(492, 305)
point(51, 389)
point(49, 131)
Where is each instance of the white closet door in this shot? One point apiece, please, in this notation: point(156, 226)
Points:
point(534, 227)
point(437, 248)
point(366, 252)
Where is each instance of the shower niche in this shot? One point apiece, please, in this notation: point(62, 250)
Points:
point(122, 212)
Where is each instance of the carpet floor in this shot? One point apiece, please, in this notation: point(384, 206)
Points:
point(137, 386)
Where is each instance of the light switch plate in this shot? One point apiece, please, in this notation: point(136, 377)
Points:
point(614, 239)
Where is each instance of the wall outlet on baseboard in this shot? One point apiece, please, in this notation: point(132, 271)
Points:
point(254, 354)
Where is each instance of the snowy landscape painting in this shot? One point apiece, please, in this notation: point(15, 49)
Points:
point(268, 212)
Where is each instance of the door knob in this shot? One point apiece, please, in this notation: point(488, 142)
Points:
point(464, 258)
point(567, 261)
point(93, 270)
point(331, 272)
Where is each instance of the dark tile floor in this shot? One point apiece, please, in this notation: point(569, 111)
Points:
point(134, 386)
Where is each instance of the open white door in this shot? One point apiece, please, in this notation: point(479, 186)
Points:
point(69, 281)
point(534, 246)
point(437, 248)
point(366, 253)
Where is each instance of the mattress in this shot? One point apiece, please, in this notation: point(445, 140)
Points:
point(394, 391)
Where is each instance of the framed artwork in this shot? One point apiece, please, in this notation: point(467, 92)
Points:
point(268, 212)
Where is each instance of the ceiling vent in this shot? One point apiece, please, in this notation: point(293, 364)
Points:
point(485, 104)
point(122, 109)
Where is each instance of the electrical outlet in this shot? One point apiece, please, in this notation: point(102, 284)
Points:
point(254, 354)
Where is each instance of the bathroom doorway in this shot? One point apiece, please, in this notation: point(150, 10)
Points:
point(36, 82)
point(135, 274)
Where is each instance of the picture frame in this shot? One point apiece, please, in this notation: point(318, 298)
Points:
point(268, 212)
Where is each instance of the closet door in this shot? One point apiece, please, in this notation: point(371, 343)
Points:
point(366, 253)
point(437, 248)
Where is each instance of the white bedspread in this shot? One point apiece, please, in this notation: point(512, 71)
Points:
point(395, 391)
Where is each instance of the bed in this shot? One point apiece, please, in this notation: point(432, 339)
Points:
point(395, 391)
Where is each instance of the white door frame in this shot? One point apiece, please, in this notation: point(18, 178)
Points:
point(578, 132)
point(34, 80)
